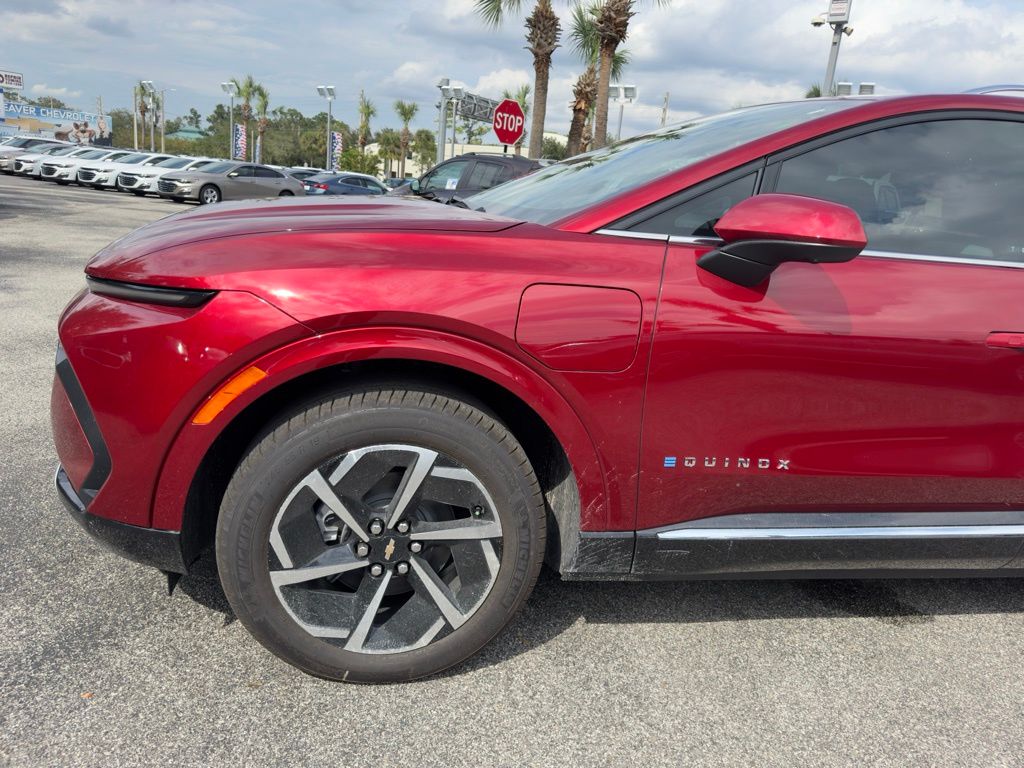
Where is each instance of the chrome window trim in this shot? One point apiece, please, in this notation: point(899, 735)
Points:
point(636, 235)
point(691, 240)
point(941, 259)
point(859, 532)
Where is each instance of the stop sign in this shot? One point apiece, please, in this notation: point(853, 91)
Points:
point(509, 121)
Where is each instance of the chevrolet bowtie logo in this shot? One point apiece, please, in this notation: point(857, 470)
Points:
point(389, 550)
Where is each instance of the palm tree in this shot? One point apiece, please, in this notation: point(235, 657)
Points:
point(522, 95)
point(140, 91)
point(587, 45)
point(406, 112)
point(246, 92)
point(366, 113)
point(262, 98)
point(389, 147)
point(612, 19)
point(542, 33)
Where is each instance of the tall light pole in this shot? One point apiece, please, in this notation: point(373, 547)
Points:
point(163, 114)
point(623, 94)
point(327, 91)
point(837, 16)
point(231, 89)
point(150, 90)
point(442, 117)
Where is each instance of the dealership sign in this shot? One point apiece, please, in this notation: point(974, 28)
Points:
point(64, 124)
point(13, 80)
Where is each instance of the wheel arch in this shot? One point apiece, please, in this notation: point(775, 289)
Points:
point(556, 442)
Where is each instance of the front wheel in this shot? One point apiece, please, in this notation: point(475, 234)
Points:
point(382, 535)
point(209, 194)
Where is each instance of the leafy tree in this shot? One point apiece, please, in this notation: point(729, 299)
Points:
point(359, 161)
point(406, 111)
point(543, 31)
point(367, 111)
point(424, 147)
point(814, 92)
point(553, 149)
point(474, 131)
point(522, 96)
point(193, 118)
point(50, 102)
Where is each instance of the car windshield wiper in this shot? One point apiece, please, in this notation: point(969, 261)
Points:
point(456, 200)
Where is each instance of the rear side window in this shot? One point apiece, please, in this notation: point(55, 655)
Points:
point(268, 173)
point(353, 181)
point(487, 175)
point(951, 188)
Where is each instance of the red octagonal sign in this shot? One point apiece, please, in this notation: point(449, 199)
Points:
point(509, 121)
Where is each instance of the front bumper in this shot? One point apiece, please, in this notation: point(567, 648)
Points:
point(172, 189)
point(149, 546)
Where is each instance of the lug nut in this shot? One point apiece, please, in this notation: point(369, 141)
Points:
point(377, 527)
point(403, 526)
point(402, 568)
point(477, 510)
point(362, 549)
point(376, 569)
point(415, 547)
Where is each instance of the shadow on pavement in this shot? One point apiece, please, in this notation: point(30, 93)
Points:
point(556, 605)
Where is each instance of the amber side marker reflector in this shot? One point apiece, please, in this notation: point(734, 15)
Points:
point(231, 389)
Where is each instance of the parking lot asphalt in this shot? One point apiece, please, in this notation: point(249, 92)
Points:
point(98, 666)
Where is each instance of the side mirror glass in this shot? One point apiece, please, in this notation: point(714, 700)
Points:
point(764, 231)
point(414, 185)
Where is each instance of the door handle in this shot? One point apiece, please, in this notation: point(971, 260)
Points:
point(1006, 340)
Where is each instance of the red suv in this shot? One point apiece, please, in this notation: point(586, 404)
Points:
point(785, 341)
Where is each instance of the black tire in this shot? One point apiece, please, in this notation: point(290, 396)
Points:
point(178, 199)
point(138, 192)
point(286, 193)
point(209, 194)
point(357, 423)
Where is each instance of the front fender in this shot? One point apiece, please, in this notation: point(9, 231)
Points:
point(393, 343)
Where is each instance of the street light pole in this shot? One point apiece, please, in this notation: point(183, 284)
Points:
point(230, 88)
point(622, 94)
point(150, 90)
point(442, 117)
point(327, 91)
point(837, 16)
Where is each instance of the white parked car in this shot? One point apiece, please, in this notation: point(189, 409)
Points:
point(19, 145)
point(62, 168)
point(28, 164)
point(101, 175)
point(145, 179)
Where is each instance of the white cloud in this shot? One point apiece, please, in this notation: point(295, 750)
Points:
point(42, 89)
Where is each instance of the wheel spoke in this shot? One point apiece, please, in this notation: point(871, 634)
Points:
point(438, 592)
point(415, 474)
point(358, 635)
point(329, 565)
point(317, 483)
point(456, 530)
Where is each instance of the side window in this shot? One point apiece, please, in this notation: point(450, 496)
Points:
point(697, 216)
point(486, 175)
point(445, 176)
point(267, 173)
point(353, 181)
point(244, 172)
point(942, 188)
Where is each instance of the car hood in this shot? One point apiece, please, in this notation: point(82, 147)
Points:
point(153, 254)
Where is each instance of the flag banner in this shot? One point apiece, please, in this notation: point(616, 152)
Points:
point(337, 147)
point(240, 144)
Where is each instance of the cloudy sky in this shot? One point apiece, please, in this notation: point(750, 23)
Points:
point(710, 55)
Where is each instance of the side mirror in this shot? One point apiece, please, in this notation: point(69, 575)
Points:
point(414, 185)
point(762, 232)
point(232, 174)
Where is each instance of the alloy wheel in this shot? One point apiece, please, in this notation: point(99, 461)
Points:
point(385, 549)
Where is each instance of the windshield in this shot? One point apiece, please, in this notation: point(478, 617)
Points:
point(93, 154)
point(132, 159)
point(174, 162)
point(58, 150)
point(17, 142)
point(576, 184)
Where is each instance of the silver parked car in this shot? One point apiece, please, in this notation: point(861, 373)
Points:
point(233, 180)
